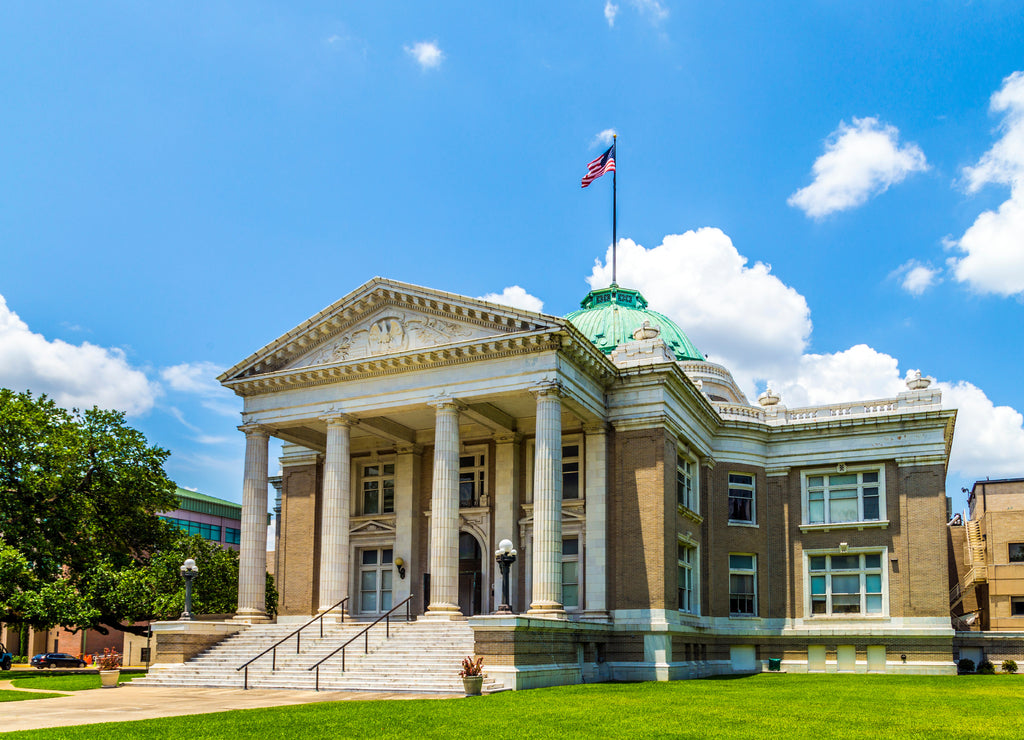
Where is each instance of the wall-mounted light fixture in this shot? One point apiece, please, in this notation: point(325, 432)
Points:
point(400, 564)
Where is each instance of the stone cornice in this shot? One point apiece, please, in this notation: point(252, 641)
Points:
point(433, 357)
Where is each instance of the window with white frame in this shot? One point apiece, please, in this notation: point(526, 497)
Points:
point(571, 572)
point(741, 498)
point(742, 585)
point(686, 482)
point(687, 562)
point(846, 583)
point(375, 579)
point(570, 471)
point(838, 498)
point(472, 474)
point(378, 484)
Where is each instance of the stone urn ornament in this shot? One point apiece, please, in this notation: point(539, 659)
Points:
point(472, 674)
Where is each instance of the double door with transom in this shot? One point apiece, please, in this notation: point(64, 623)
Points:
point(376, 572)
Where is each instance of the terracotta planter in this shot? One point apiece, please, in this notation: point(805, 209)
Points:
point(473, 685)
point(108, 679)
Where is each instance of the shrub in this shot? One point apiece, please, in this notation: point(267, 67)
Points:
point(109, 661)
point(471, 668)
point(965, 665)
point(986, 668)
point(1009, 666)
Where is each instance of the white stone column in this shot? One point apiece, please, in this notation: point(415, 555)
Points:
point(506, 509)
point(547, 504)
point(252, 560)
point(407, 519)
point(444, 511)
point(596, 493)
point(335, 513)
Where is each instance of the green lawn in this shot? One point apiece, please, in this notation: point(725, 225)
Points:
point(8, 695)
point(764, 706)
point(65, 682)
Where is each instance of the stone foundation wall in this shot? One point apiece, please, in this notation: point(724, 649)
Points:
point(179, 642)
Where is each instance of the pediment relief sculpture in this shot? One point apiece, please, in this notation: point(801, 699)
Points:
point(390, 332)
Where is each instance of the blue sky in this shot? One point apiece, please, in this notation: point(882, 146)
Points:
point(824, 195)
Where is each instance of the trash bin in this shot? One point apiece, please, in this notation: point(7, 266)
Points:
point(774, 664)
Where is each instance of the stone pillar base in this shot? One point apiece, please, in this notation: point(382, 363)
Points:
point(543, 611)
point(179, 642)
point(596, 615)
point(254, 617)
point(445, 616)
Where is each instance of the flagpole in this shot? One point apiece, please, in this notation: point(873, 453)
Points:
point(615, 206)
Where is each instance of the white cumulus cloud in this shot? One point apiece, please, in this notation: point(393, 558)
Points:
point(604, 138)
point(610, 11)
point(750, 321)
point(993, 246)
point(73, 375)
point(426, 53)
point(916, 278)
point(516, 297)
point(701, 281)
point(860, 160)
point(200, 379)
point(654, 10)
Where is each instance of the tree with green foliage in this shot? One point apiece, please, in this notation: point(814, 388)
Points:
point(81, 544)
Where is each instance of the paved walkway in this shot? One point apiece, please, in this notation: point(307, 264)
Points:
point(128, 702)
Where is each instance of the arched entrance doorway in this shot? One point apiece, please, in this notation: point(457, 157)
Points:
point(470, 575)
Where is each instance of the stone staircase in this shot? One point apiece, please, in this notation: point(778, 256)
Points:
point(422, 656)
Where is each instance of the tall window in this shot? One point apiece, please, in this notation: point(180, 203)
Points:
point(846, 583)
point(743, 585)
point(570, 471)
point(379, 488)
point(375, 577)
point(741, 498)
point(686, 490)
point(571, 573)
point(844, 497)
point(472, 474)
point(687, 556)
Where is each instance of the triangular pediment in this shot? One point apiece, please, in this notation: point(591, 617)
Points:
point(387, 318)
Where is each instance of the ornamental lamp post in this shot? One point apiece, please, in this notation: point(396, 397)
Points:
point(188, 572)
point(505, 555)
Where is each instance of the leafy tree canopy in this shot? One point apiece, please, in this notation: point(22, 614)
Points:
point(80, 542)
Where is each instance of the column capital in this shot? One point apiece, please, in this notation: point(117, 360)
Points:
point(547, 388)
point(444, 401)
point(336, 418)
point(413, 449)
point(708, 462)
point(251, 429)
point(595, 427)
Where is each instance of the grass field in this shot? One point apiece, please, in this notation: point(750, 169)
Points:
point(764, 706)
point(65, 682)
point(8, 695)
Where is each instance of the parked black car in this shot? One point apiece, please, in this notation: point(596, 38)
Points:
point(63, 660)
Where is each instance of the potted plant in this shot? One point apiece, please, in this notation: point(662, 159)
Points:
point(109, 665)
point(472, 675)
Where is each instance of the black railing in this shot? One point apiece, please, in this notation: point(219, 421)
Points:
point(297, 634)
point(365, 634)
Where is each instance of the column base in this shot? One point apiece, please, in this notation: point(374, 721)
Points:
point(251, 616)
point(596, 615)
point(443, 611)
point(546, 610)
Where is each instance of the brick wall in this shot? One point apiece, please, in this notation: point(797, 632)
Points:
point(298, 559)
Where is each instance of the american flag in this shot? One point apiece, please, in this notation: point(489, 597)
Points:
point(604, 163)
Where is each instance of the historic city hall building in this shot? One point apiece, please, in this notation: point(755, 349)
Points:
point(665, 526)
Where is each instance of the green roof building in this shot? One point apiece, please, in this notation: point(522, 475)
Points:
point(214, 518)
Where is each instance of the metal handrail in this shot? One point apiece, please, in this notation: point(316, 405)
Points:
point(365, 633)
point(298, 641)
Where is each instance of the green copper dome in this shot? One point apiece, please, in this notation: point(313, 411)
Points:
point(609, 316)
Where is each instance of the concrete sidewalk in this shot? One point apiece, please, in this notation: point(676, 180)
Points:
point(128, 702)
